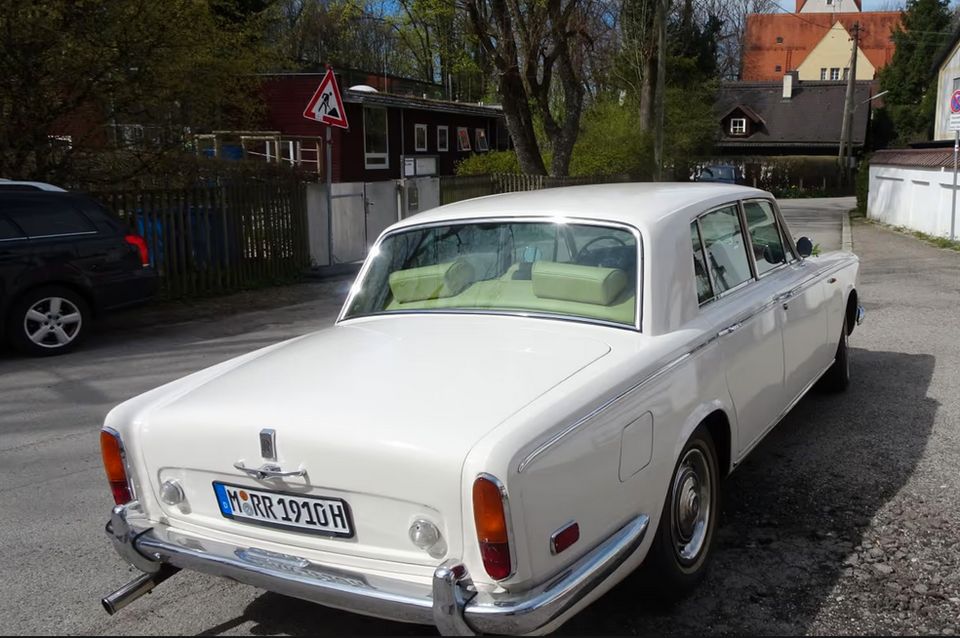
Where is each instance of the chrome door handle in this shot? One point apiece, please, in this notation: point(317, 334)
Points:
point(730, 329)
point(268, 471)
point(784, 296)
point(832, 280)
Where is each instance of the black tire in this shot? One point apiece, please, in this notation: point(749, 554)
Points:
point(48, 321)
point(837, 377)
point(668, 573)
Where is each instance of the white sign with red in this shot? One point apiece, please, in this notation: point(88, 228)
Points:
point(326, 105)
point(955, 111)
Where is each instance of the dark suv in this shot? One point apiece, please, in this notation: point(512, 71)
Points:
point(64, 258)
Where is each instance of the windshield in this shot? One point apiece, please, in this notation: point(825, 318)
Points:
point(551, 268)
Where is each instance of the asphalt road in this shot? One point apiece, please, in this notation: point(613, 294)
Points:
point(843, 520)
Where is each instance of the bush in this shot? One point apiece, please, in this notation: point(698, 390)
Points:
point(610, 142)
point(494, 162)
point(863, 185)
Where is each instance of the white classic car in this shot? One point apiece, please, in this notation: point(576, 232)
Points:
point(524, 398)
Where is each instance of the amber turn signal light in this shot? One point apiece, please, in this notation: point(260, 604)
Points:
point(490, 517)
point(113, 462)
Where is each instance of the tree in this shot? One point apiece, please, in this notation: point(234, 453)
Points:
point(910, 77)
point(86, 66)
point(530, 44)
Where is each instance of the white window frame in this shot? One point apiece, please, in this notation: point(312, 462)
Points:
point(834, 74)
point(823, 73)
point(416, 138)
point(481, 136)
point(463, 148)
point(738, 126)
point(445, 146)
point(376, 156)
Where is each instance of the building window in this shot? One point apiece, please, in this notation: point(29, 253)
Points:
point(738, 126)
point(375, 144)
point(482, 140)
point(823, 74)
point(846, 72)
point(420, 137)
point(779, 40)
point(835, 73)
point(829, 3)
point(956, 84)
point(443, 138)
point(463, 139)
point(778, 68)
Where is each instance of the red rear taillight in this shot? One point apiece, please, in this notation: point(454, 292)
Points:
point(490, 516)
point(141, 245)
point(113, 462)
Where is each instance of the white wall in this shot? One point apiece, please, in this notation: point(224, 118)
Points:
point(949, 71)
point(915, 198)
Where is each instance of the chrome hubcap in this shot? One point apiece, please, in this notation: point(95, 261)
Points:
point(691, 506)
point(52, 322)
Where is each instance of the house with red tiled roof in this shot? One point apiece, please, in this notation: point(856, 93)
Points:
point(815, 42)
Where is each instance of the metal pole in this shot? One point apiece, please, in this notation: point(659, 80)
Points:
point(329, 171)
point(953, 207)
point(847, 124)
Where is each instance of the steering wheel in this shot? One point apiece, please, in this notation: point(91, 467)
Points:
point(583, 250)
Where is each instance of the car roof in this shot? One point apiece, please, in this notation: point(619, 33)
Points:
point(637, 204)
point(27, 186)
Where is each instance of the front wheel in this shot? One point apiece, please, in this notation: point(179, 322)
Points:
point(678, 557)
point(48, 321)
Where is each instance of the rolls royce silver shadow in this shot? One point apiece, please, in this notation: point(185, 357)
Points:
point(525, 398)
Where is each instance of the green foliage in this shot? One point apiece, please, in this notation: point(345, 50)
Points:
point(494, 162)
point(863, 185)
point(910, 77)
point(690, 125)
point(610, 143)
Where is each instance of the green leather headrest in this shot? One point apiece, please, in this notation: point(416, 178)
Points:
point(431, 282)
point(572, 282)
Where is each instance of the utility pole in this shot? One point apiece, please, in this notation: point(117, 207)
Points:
point(846, 130)
point(663, 9)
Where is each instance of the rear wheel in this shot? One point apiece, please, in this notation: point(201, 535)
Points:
point(837, 377)
point(48, 321)
point(681, 549)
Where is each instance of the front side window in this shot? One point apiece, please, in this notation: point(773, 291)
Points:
point(765, 236)
point(546, 268)
point(738, 126)
point(375, 143)
point(726, 250)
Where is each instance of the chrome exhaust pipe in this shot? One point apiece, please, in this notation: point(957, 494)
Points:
point(136, 588)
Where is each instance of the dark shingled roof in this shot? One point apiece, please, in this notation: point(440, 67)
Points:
point(811, 118)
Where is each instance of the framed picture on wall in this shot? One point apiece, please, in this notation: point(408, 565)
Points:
point(463, 138)
point(482, 140)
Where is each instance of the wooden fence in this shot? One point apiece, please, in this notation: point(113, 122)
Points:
point(219, 238)
point(460, 187)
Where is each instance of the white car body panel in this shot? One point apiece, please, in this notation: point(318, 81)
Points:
point(399, 414)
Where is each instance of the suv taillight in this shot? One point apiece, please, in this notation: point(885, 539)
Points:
point(141, 245)
point(116, 466)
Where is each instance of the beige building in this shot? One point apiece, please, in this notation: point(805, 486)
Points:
point(828, 6)
point(830, 59)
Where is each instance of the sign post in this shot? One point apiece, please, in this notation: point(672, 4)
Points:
point(326, 107)
point(955, 127)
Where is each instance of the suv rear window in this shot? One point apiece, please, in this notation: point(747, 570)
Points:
point(47, 216)
point(8, 230)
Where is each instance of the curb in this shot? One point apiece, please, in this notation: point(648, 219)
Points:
point(846, 236)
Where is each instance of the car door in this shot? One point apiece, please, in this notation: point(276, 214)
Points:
point(800, 303)
point(14, 258)
point(748, 330)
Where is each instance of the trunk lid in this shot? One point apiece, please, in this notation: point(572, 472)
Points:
point(379, 413)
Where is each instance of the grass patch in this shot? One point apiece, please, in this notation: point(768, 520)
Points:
point(933, 240)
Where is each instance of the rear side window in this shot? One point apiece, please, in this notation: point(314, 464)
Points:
point(700, 269)
point(726, 249)
point(8, 230)
point(47, 217)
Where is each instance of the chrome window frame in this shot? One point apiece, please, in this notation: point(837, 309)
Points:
point(703, 251)
point(753, 273)
point(776, 220)
point(638, 290)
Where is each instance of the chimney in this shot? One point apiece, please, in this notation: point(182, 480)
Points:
point(790, 81)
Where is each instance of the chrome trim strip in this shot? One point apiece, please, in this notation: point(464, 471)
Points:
point(538, 218)
point(505, 501)
point(86, 232)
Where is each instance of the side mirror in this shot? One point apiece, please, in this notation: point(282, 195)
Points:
point(804, 246)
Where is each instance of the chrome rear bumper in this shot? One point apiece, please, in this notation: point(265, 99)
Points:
point(450, 602)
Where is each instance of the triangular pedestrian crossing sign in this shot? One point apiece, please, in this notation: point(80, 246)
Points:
point(326, 105)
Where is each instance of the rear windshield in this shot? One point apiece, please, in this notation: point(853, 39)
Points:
point(542, 268)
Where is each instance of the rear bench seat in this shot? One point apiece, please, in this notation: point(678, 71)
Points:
point(553, 287)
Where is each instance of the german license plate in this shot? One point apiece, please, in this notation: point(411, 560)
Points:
point(282, 510)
